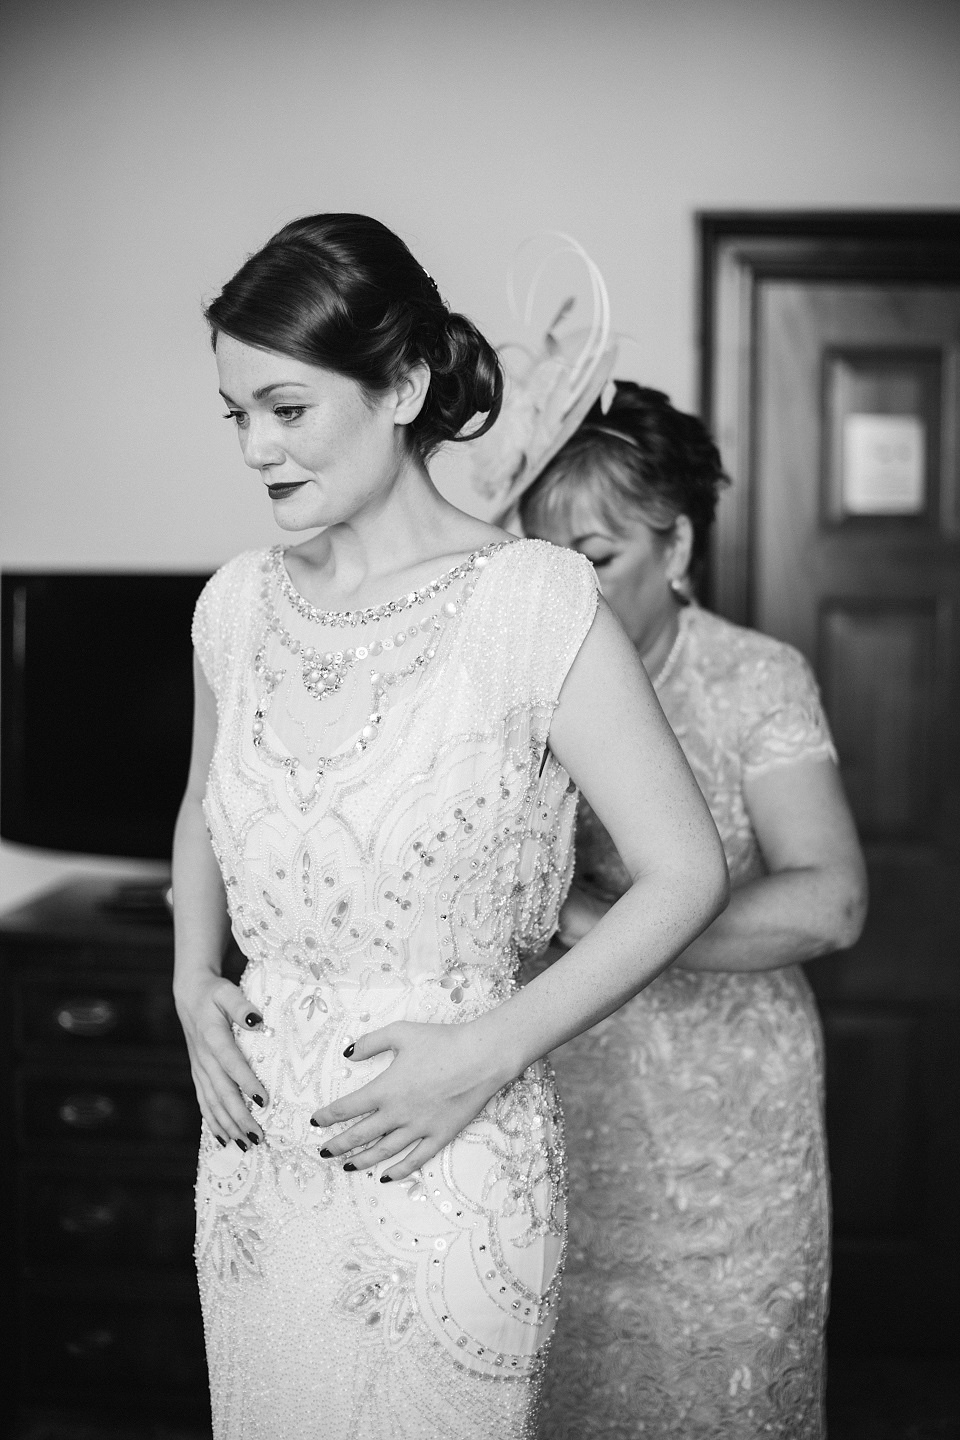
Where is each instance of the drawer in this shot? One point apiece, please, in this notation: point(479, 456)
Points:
point(92, 1106)
point(107, 1218)
point(108, 1010)
point(85, 1347)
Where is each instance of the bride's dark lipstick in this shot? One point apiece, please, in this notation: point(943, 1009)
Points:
point(280, 492)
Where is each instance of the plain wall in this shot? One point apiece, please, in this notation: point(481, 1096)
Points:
point(145, 149)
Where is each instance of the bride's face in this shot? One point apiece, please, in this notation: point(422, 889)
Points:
point(324, 450)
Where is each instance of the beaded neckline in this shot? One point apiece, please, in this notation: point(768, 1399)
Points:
point(335, 618)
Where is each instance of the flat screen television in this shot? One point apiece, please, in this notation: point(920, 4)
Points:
point(96, 704)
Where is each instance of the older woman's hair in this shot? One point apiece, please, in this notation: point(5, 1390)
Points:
point(642, 460)
point(344, 293)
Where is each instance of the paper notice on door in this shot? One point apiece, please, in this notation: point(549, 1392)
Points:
point(883, 465)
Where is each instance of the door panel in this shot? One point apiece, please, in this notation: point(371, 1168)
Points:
point(877, 665)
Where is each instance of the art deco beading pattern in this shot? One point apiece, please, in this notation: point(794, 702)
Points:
point(696, 1282)
point(400, 882)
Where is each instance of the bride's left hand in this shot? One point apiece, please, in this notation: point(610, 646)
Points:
point(440, 1079)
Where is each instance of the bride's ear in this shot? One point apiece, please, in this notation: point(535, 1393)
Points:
point(411, 392)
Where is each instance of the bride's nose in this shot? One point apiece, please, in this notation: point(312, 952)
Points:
point(261, 448)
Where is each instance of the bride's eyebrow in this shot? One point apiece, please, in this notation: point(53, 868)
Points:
point(279, 385)
point(265, 390)
point(593, 535)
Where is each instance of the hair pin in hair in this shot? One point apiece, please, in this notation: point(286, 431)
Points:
point(610, 430)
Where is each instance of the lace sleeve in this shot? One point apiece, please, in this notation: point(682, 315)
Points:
point(217, 613)
point(782, 719)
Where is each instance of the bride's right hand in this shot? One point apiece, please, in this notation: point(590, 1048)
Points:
point(208, 1007)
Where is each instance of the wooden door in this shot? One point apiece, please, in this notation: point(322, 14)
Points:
point(832, 379)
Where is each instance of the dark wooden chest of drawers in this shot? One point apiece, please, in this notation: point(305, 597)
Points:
point(100, 1171)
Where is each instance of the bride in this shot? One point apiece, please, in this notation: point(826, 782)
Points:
point(392, 718)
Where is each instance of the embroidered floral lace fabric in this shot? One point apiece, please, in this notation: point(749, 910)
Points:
point(402, 885)
point(696, 1279)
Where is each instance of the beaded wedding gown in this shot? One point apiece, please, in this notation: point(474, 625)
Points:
point(695, 1290)
point(391, 831)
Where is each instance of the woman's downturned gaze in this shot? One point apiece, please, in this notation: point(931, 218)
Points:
point(393, 718)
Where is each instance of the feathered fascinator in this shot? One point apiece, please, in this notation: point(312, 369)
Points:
point(552, 378)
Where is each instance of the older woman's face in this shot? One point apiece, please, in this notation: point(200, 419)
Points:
point(633, 569)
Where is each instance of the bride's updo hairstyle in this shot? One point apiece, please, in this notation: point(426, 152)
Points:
point(344, 293)
point(642, 460)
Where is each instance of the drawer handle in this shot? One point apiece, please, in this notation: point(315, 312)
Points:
point(87, 1112)
point(87, 1017)
point(91, 1344)
point(91, 1218)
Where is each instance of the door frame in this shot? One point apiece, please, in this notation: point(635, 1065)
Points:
point(737, 251)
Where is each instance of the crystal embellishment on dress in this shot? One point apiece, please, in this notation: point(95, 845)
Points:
point(338, 664)
point(372, 613)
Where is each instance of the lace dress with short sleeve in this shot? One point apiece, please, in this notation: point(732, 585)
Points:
point(381, 864)
point(695, 1292)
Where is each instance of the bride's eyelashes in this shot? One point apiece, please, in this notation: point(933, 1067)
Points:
point(287, 413)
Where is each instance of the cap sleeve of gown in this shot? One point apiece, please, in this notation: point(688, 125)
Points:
point(537, 605)
point(782, 715)
point(224, 601)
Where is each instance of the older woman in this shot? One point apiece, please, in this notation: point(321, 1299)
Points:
point(696, 1284)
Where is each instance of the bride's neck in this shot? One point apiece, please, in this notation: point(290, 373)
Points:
point(382, 545)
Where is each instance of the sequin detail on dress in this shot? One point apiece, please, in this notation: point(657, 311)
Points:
point(696, 1283)
point(406, 890)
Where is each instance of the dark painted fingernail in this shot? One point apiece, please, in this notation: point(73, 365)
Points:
point(255, 1138)
point(385, 1179)
point(348, 1052)
point(326, 1154)
point(315, 1123)
point(253, 1019)
point(349, 1166)
point(220, 1140)
point(240, 1146)
point(258, 1100)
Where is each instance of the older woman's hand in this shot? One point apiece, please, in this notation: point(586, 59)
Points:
point(581, 911)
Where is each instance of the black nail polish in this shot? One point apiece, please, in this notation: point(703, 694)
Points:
point(326, 1154)
point(240, 1146)
point(258, 1100)
point(220, 1140)
point(253, 1020)
point(385, 1179)
point(349, 1166)
point(315, 1123)
point(348, 1052)
point(255, 1139)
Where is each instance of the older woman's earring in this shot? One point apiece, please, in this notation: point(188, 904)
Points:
point(680, 588)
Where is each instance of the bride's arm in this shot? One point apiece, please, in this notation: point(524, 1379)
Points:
point(208, 1004)
point(609, 733)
